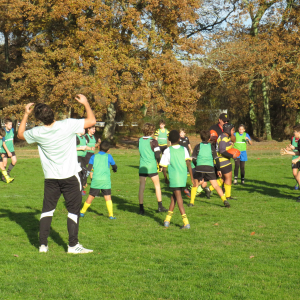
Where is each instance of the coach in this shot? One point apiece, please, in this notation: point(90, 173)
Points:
point(219, 127)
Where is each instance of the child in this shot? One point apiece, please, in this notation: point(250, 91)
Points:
point(184, 140)
point(295, 152)
point(204, 155)
point(296, 167)
point(225, 142)
point(161, 135)
point(101, 163)
point(8, 147)
point(7, 179)
point(241, 144)
point(91, 143)
point(81, 147)
point(177, 159)
point(149, 158)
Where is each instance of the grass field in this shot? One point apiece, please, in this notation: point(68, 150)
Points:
point(250, 251)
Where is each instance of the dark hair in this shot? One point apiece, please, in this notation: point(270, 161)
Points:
point(227, 128)
point(8, 120)
point(2, 132)
point(205, 135)
point(296, 127)
point(182, 129)
point(162, 122)
point(174, 136)
point(104, 146)
point(44, 113)
point(242, 125)
point(91, 127)
point(148, 129)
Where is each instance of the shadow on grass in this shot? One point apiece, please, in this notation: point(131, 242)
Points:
point(31, 226)
point(131, 166)
point(266, 188)
point(124, 205)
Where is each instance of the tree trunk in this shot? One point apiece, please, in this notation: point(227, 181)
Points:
point(267, 119)
point(252, 112)
point(6, 47)
point(110, 123)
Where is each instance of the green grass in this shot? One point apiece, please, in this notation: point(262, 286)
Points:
point(135, 257)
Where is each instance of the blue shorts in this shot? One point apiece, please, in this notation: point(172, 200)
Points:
point(243, 156)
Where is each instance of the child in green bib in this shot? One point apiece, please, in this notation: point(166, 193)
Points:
point(177, 159)
point(7, 178)
point(8, 149)
point(149, 159)
point(100, 163)
point(242, 138)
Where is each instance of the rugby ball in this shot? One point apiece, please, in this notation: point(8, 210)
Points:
point(235, 152)
point(213, 136)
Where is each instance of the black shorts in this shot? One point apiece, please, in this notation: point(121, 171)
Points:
point(96, 192)
point(162, 148)
point(173, 189)
point(206, 176)
point(296, 166)
point(226, 169)
point(147, 175)
point(6, 156)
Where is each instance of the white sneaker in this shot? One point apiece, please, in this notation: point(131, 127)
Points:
point(78, 249)
point(43, 249)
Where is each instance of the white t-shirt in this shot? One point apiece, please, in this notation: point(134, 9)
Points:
point(57, 147)
point(165, 159)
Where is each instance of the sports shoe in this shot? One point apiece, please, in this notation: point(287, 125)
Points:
point(187, 226)
point(187, 193)
point(243, 181)
point(191, 205)
point(78, 249)
point(81, 215)
point(43, 249)
point(166, 224)
point(112, 218)
point(9, 180)
point(226, 203)
point(207, 192)
point(199, 190)
point(162, 209)
point(296, 187)
point(235, 182)
point(231, 198)
point(141, 212)
point(83, 193)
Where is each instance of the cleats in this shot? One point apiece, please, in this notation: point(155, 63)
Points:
point(83, 193)
point(226, 204)
point(78, 249)
point(191, 205)
point(243, 181)
point(43, 249)
point(187, 193)
point(231, 198)
point(141, 212)
point(9, 180)
point(187, 226)
point(296, 187)
point(81, 215)
point(162, 209)
point(112, 218)
point(207, 192)
point(235, 182)
point(199, 190)
point(166, 224)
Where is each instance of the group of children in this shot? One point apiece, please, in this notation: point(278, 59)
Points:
point(209, 162)
point(7, 150)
